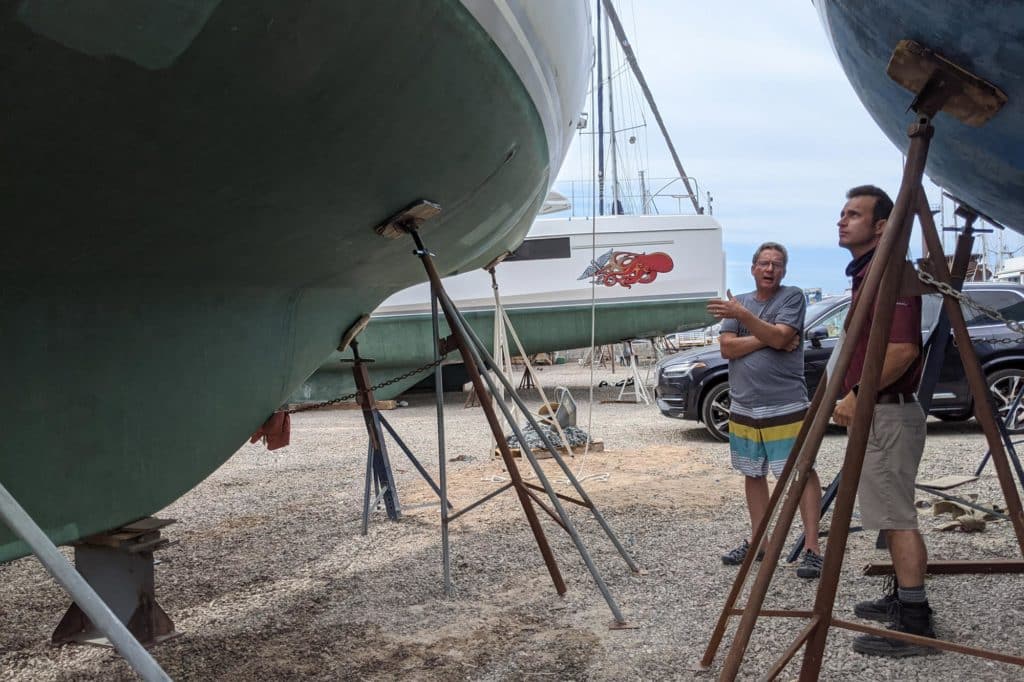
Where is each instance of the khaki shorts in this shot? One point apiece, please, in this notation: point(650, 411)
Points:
point(895, 446)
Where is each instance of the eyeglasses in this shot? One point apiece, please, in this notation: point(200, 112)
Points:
point(765, 264)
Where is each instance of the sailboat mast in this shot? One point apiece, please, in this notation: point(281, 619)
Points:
point(1002, 250)
point(616, 206)
point(643, 195)
point(600, 117)
point(631, 58)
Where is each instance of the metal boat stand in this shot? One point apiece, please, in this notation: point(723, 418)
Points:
point(83, 594)
point(940, 86)
point(638, 387)
point(119, 566)
point(935, 350)
point(475, 356)
point(378, 465)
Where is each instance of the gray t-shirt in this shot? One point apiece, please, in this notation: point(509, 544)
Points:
point(769, 377)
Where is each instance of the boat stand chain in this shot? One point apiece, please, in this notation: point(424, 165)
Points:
point(475, 356)
point(83, 594)
point(885, 281)
point(378, 465)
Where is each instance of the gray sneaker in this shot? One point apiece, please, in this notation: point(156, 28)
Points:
point(810, 565)
point(736, 556)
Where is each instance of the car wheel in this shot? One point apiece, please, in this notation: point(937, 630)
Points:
point(1005, 385)
point(715, 411)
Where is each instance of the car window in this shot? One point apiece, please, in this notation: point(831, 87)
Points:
point(1008, 303)
point(833, 322)
point(819, 308)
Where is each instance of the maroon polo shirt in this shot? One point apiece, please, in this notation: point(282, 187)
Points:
point(906, 328)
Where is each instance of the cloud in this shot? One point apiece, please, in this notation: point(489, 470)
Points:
point(761, 115)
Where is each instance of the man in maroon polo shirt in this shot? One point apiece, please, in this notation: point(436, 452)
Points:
point(896, 441)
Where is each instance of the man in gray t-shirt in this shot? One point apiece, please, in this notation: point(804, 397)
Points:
point(761, 338)
point(767, 377)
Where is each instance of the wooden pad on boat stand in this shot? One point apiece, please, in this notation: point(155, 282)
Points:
point(970, 99)
point(118, 564)
point(410, 218)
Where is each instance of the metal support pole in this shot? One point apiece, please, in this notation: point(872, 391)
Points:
point(408, 453)
point(18, 520)
point(366, 488)
point(462, 343)
point(442, 467)
point(473, 346)
point(555, 454)
point(469, 345)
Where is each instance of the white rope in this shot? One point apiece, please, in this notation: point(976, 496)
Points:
point(504, 323)
point(593, 296)
point(502, 356)
point(510, 328)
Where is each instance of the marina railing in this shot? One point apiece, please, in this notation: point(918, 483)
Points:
point(654, 196)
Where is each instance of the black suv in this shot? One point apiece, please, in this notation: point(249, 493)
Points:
point(694, 384)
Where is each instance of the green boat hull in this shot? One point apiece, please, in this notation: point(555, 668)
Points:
point(400, 343)
point(189, 222)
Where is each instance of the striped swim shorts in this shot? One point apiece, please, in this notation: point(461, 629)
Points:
point(763, 442)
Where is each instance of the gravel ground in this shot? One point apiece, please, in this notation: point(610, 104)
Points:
point(271, 579)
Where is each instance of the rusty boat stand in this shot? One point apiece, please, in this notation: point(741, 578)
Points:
point(378, 464)
point(475, 356)
point(939, 86)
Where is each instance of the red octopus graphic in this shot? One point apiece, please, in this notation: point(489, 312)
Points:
point(627, 268)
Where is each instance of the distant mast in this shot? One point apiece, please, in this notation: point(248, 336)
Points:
point(616, 204)
point(644, 209)
point(631, 58)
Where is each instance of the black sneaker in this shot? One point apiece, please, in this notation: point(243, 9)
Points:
point(914, 619)
point(810, 565)
point(883, 609)
point(736, 556)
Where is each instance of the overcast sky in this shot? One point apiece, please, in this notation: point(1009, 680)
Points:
point(762, 115)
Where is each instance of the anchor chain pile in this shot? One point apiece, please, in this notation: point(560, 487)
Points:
point(576, 436)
